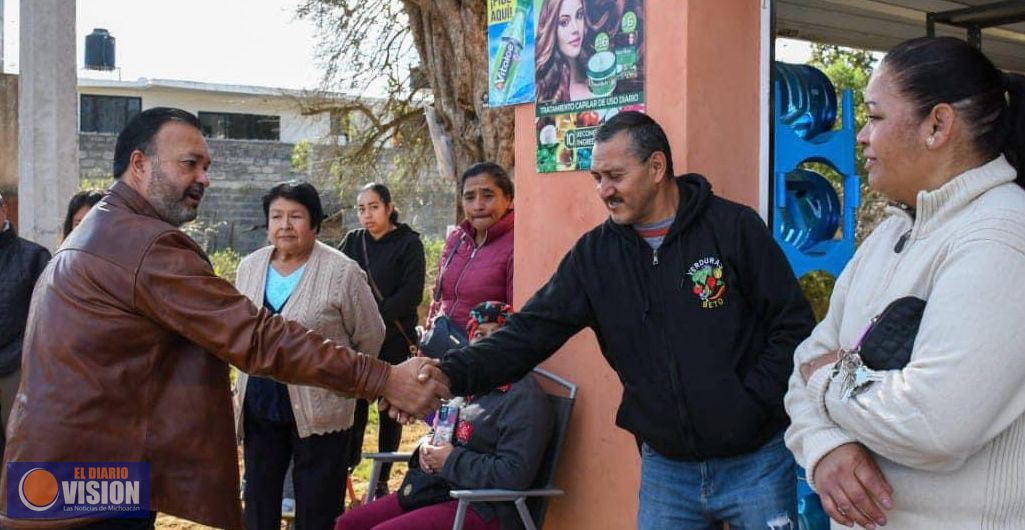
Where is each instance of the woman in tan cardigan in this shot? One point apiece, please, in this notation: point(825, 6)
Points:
point(322, 289)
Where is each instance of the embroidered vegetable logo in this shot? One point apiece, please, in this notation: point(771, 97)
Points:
point(706, 274)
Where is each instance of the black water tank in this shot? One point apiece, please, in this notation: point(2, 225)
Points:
point(99, 50)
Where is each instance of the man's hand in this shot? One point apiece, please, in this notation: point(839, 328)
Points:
point(432, 457)
point(413, 389)
point(383, 407)
point(811, 366)
point(432, 370)
point(852, 488)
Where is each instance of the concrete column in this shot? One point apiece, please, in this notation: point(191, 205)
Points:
point(48, 118)
point(1, 36)
point(703, 87)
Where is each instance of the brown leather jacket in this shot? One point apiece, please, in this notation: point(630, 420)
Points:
point(126, 359)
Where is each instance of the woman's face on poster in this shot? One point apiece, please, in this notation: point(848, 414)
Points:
point(571, 28)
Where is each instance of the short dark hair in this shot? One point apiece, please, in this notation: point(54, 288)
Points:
point(384, 193)
point(646, 136)
point(929, 71)
point(141, 129)
point(495, 171)
point(83, 198)
point(299, 191)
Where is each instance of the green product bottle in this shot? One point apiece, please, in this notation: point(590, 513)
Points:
point(626, 51)
point(503, 68)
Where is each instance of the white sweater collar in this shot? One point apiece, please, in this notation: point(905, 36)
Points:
point(934, 207)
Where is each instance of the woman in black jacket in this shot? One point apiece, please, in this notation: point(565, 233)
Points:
point(392, 255)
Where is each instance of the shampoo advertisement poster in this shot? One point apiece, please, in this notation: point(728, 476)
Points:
point(589, 65)
point(510, 52)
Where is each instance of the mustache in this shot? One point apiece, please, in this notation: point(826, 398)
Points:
point(196, 189)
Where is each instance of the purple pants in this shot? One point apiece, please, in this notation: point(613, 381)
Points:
point(386, 514)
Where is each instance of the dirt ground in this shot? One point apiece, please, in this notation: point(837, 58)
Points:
point(410, 436)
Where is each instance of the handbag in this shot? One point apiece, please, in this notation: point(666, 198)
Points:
point(890, 338)
point(410, 345)
point(444, 334)
point(420, 488)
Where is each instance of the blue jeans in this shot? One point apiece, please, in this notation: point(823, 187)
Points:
point(753, 491)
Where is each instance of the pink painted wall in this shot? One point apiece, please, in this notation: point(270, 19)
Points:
point(703, 79)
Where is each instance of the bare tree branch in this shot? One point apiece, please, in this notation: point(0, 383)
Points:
point(371, 45)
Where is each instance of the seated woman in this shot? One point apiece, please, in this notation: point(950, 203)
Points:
point(498, 442)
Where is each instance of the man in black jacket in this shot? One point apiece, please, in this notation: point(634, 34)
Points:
point(21, 262)
point(697, 310)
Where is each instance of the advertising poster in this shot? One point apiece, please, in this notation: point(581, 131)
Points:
point(589, 65)
point(510, 52)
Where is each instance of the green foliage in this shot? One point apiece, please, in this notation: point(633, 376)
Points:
point(225, 263)
point(432, 250)
point(818, 287)
point(301, 155)
point(362, 472)
point(226, 266)
point(98, 184)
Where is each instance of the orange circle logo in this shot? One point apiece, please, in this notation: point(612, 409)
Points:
point(38, 489)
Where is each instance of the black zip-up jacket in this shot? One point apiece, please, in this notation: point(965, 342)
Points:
point(21, 262)
point(702, 332)
point(499, 444)
point(397, 265)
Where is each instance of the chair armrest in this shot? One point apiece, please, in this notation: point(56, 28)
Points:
point(495, 495)
point(388, 457)
point(379, 459)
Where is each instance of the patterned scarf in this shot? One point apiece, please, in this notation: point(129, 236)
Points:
point(487, 313)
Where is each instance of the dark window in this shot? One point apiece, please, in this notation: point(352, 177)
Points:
point(108, 114)
point(234, 126)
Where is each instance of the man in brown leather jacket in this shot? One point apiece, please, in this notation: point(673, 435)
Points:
point(130, 334)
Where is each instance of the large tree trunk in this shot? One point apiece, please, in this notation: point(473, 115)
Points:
point(451, 37)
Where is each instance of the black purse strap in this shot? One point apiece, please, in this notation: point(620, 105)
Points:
point(380, 298)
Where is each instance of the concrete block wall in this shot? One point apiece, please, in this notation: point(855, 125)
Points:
point(231, 215)
point(95, 155)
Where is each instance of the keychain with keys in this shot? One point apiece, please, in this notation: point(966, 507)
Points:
point(850, 371)
point(852, 375)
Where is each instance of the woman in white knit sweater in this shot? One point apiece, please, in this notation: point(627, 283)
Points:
point(940, 443)
point(319, 287)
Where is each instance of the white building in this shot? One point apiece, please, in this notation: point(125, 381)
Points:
point(225, 111)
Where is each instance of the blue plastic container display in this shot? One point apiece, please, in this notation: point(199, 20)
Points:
point(812, 210)
point(807, 239)
point(808, 99)
point(810, 515)
point(806, 211)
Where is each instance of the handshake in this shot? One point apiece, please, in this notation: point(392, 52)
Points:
point(414, 388)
